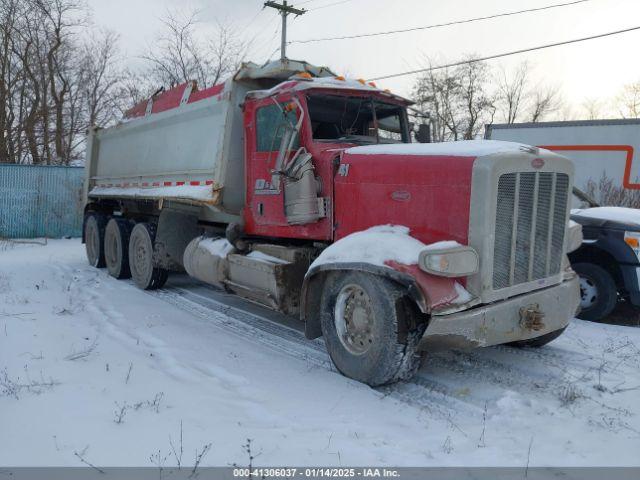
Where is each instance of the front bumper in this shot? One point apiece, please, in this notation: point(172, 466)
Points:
point(501, 322)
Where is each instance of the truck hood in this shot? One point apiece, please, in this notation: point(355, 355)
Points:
point(608, 217)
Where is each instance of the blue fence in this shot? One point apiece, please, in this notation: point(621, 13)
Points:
point(40, 201)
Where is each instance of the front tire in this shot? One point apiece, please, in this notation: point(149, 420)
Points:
point(143, 271)
point(598, 291)
point(94, 228)
point(116, 247)
point(365, 322)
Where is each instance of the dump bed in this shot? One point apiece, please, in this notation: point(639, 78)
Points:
point(189, 152)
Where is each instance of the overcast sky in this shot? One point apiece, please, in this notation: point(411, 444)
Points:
point(588, 70)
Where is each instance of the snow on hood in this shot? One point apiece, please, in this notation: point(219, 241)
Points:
point(464, 148)
point(614, 214)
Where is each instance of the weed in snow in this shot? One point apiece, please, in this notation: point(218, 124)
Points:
point(122, 410)
point(568, 395)
point(82, 354)
point(13, 388)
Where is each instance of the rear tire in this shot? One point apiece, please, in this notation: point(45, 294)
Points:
point(538, 342)
point(143, 271)
point(598, 292)
point(94, 227)
point(362, 318)
point(116, 247)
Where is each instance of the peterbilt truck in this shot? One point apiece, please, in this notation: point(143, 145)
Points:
point(301, 190)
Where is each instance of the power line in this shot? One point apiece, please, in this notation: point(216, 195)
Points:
point(438, 25)
point(514, 52)
point(325, 6)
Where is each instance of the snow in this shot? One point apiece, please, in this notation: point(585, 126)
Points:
point(616, 214)
point(78, 347)
point(217, 246)
point(256, 255)
point(463, 148)
point(375, 245)
point(195, 192)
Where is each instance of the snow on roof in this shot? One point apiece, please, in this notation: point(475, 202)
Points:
point(615, 214)
point(465, 148)
point(300, 84)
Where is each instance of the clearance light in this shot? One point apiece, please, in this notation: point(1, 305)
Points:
point(305, 75)
point(633, 240)
point(449, 262)
point(340, 77)
point(372, 84)
point(362, 81)
point(386, 90)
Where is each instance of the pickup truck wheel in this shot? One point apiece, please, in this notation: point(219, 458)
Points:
point(598, 292)
point(116, 247)
point(94, 227)
point(540, 341)
point(144, 273)
point(361, 316)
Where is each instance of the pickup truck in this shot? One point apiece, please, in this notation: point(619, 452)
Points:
point(608, 259)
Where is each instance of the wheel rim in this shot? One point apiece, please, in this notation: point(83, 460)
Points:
point(588, 293)
point(353, 318)
point(141, 255)
point(93, 241)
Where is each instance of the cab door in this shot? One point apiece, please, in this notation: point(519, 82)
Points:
point(265, 123)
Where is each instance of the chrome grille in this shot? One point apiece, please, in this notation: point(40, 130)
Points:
point(530, 224)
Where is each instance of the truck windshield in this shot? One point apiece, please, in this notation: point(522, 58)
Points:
point(361, 120)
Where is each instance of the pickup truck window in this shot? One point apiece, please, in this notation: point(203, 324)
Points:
point(362, 120)
point(269, 127)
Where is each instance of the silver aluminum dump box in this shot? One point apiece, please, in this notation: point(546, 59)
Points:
point(192, 153)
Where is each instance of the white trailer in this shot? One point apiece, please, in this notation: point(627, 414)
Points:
point(604, 153)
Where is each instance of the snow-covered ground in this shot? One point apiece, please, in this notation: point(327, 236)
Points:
point(92, 368)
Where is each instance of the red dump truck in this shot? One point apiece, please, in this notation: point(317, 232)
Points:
point(301, 190)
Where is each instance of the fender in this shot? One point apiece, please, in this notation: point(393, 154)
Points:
point(310, 304)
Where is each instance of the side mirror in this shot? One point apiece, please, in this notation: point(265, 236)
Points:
point(423, 135)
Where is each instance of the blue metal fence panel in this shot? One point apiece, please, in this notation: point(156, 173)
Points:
point(40, 201)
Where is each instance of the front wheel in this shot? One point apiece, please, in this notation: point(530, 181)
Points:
point(366, 323)
point(598, 291)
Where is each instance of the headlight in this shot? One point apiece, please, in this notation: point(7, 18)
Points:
point(575, 237)
point(633, 240)
point(449, 262)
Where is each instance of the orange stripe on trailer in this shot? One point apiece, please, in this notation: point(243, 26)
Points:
point(195, 183)
point(179, 184)
point(209, 182)
point(628, 149)
point(167, 184)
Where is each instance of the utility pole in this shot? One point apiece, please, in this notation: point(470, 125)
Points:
point(284, 10)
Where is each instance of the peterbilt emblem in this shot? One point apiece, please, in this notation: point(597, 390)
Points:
point(537, 163)
point(401, 196)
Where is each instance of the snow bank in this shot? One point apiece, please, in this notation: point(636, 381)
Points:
point(616, 214)
point(465, 148)
point(195, 192)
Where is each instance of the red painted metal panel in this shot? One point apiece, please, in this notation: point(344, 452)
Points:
point(430, 195)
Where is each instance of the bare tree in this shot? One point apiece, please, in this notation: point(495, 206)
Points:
point(628, 101)
point(512, 92)
point(458, 100)
point(543, 101)
point(593, 108)
point(180, 55)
